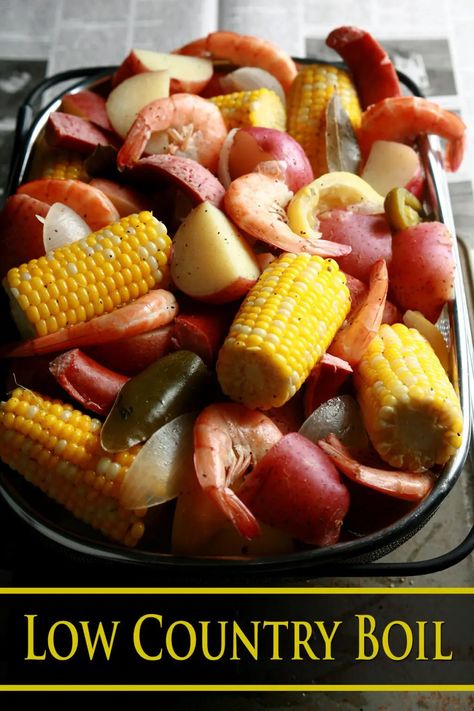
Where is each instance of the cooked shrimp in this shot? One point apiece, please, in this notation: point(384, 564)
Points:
point(403, 118)
point(256, 203)
point(194, 128)
point(90, 203)
point(411, 486)
point(157, 308)
point(352, 340)
point(245, 51)
point(227, 439)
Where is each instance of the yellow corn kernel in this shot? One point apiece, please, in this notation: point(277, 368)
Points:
point(63, 165)
point(410, 408)
point(282, 329)
point(56, 287)
point(58, 449)
point(260, 107)
point(307, 101)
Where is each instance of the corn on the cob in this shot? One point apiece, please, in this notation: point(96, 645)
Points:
point(63, 165)
point(260, 107)
point(58, 449)
point(282, 329)
point(410, 408)
point(306, 106)
point(92, 276)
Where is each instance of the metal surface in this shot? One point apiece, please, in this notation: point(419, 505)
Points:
point(350, 558)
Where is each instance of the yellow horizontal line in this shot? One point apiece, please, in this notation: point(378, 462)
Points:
point(237, 687)
point(236, 590)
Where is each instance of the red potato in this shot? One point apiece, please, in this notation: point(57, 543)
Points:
point(75, 133)
point(188, 74)
point(187, 174)
point(324, 382)
point(90, 203)
point(422, 268)
point(296, 488)
point(132, 355)
point(132, 95)
point(127, 200)
point(88, 105)
point(88, 382)
point(207, 238)
point(368, 235)
point(21, 233)
point(255, 144)
point(394, 165)
point(212, 532)
point(202, 330)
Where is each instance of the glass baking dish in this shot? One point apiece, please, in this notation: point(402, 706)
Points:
point(348, 557)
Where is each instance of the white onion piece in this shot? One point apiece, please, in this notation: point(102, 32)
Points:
point(415, 319)
point(62, 226)
point(250, 78)
point(223, 172)
point(158, 471)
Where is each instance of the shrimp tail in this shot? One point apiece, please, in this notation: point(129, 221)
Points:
point(135, 143)
point(325, 248)
point(353, 340)
point(455, 153)
point(236, 511)
point(410, 486)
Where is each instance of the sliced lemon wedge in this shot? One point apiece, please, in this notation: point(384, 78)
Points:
point(336, 190)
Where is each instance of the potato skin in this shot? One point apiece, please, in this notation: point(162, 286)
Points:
point(421, 273)
point(368, 235)
point(296, 488)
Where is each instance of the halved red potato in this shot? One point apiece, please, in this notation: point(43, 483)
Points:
point(188, 74)
point(205, 239)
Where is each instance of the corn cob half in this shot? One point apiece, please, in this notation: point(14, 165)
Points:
point(58, 449)
point(306, 106)
point(260, 107)
point(410, 408)
point(92, 276)
point(282, 329)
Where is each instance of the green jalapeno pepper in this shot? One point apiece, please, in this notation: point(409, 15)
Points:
point(402, 209)
point(169, 387)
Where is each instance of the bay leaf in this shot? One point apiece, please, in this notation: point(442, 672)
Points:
point(342, 147)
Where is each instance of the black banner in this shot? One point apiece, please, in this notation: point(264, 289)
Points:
point(233, 638)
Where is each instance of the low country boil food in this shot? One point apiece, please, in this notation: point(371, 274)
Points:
point(225, 286)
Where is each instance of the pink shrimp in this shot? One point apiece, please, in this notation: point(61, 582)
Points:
point(411, 486)
point(157, 308)
point(227, 439)
point(193, 127)
point(352, 340)
point(245, 51)
point(256, 203)
point(89, 202)
point(403, 118)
